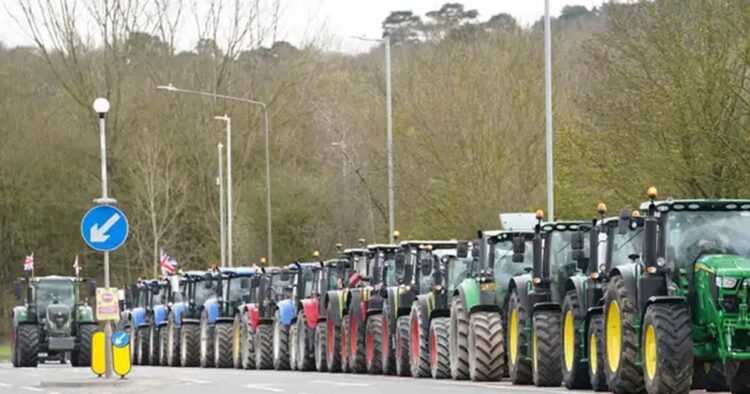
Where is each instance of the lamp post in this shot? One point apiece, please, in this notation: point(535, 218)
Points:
point(222, 220)
point(172, 89)
point(101, 107)
point(548, 113)
point(389, 129)
point(230, 217)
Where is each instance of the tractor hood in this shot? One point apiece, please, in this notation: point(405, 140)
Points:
point(58, 317)
point(724, 265)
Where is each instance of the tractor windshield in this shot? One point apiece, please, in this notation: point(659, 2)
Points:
point(202, 293)
point(459, 268)
point(504, 267)
point(335, 278)
point(691, 234)
point(359, 264)
point(54, 291)
point(280, 284)
point(306, 282)
point(235, 289)
point(625, 246)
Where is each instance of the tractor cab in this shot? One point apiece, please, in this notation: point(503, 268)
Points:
point(380, 258)
point(357, 271)
point(502, 255)
point(558, 261)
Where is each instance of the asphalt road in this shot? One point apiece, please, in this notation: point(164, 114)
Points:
point(56, 379)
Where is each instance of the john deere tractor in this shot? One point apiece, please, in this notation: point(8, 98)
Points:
point(380, 260)
point(534, 304)
point(686, 301)
point(52, 321)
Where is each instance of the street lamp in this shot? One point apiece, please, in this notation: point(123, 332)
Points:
point(173, 89)
point(222, 220)
point(389, 128)
point(230, 218)
point(548, 113)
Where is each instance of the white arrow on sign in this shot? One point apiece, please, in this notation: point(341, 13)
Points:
point(98, 234)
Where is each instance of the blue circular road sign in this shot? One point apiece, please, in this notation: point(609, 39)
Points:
point(104, 228)
point(120, 339)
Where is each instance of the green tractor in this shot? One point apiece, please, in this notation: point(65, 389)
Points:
point(686, 303)
point(534, 304)
point(52, 322)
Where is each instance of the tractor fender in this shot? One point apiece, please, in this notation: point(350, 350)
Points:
point(178, 310)
point(665, 300)
point(629, 272)
point(225, 319)
point(287, 312)
point(576, 283)
point(20, 315)
point(468, 293)
point(160, 315)
point(138, 317)
point(253, 315)
point(546, 306)
point(520, 283)
point(593, 311)
point(392, 301)
point(190, 321)
point(212, 310)
point(405, 300)
point(357, 308)
point(424, 302)
point(312, 313)
point(335, 308)
point(374, 306)
point(85, 313)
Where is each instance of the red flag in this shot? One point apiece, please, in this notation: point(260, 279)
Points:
point(28, 264)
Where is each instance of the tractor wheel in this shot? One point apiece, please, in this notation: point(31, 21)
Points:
point(305, 338)
point(546, 346)
point(459, 340)
point(667, 345)
point(321, 347)
point(620, 340)
point(189, 344)
point(153, 345)
point(374, 345)
point(519, 367)
point(333, 347)
point(206, 343)
point(223, 345)
point(26, 346)
point(133, 333)
point(263, 347)
point(173, 343)
point(280, 344)
point(163, 346)
point(709, 375)
point(143, 346)
point(597, 376)
point(440, 364)
point(403, 333)
point(486, 346)
point(419, 343)
point(575, 372)
point(344, 345)
point(738, 376)
point(293, 341)
point(247, 345)
point(357, 354)
point(237, 341)
point(388, 351)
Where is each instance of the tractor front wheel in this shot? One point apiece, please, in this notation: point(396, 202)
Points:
point(624, 375)
point(459, 341)
point(264, 346)
point(333, 346)
point(575, 372)
point(280, 344)
point(546, 346)
point(519, 363)
point(142, 351)
point(667, 349)
point(402, 346)
point(486, 348)
point(440, 366)
point(419, 343)
point(173, 342)
point(223, 345)
point(26, 347)
point(321, 347)
point(388, 351)
point(237, 337)
point(82, 356)
point(247, 345)
point(597, 376)
point(153, 344)
point(738, 376)
point(206, 344)
point(374, 345)
point(357, 354)
point(305, 338)
point(189, 343)
point(344, 348)
point(293, 350)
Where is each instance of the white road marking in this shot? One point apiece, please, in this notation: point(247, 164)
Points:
point(199, 381)
point(29, 388)
point(349, 384)
point(264, 388)
point(5, 385)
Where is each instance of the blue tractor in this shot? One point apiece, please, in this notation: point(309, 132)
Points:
point(145, 294)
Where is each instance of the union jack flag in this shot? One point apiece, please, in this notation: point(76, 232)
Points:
point(354, 279)
point(28, 264)
point(168, 264)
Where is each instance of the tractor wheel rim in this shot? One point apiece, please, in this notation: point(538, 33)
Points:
point(433, 350)
point(415, 340)
point(237, 341)
point(569, 340)
point(329, 339)
point(593, 361)
point(513, 336)
point(204, 342)
point(650, 352)
point(276, 339)
point(613, 336)
point(534, 349)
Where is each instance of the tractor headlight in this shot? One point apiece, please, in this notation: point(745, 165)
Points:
point(726, 282)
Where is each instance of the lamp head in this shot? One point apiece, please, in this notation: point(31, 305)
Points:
point(101, 105)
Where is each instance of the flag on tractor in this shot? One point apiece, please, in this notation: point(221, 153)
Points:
point(354, 279)
point(168, 264)
point(28, 264)
point(77, 267)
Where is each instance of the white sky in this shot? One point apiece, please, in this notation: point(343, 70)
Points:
point(337, 20)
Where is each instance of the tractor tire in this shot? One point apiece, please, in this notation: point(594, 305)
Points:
point(153, 345)
point(738, 377)
point(344, 345)
point(575, 372)
point(621, 344)
point(486, 358)
point(206, 343)
point(709, 375)
point(459, 340)
point(388, 351)
point(189, 345)
point(374, 345)
point(321, 347)
point(519, 364)
point(133, 333)
point(263, 346)
point(333, 347)
point(419, 343)
point(163, 346)
point(305, 344)
point(597, 376)
point(293, 341)
point(357, 353)
point(237, 341)
point(26, 346)
point(280, 344)
point(223, 345)
point(173, 343)
point(247, 345)
point(143, 346)
point(403, 332)
point(440, 363)
point(667, 346)
point(546, 345)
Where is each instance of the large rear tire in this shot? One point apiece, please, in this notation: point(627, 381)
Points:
point(486, 348)
point(667, 346)
point(388, 351)
point(621, 344)
point(575, 372)
point(419, 343)
point(546, 346)
point(237, 338)
point(738, 376)
point(321, 347)
point(27, 345)
point(163, 346)
point(519, 367)
point(280, 344)
point(247, 345)
point(305, 344)
point(263, 346)
point(293, 349)
point(189, 343)
point(459, 340)
point(374, 345)
point(143, 333)
point(597, 376)
point(357, 356)
point(153, 344)
point(440, 365)
point(206, 343)
point(223, 345)
point(402, 346)
point(344, 345)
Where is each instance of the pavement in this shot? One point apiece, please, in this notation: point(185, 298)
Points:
point(58, 379)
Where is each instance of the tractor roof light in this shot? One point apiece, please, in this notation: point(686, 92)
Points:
point(651, 270)
point(652, 193)
point(316, 254)
point(536, 281)
point(601, 208)
point(539, 214)
point(594, 275)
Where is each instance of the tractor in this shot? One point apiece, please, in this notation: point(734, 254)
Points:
point(52, 322)
point(328, 280)
point(145, 320)
point(301, 312)
point(380, 257)
point(533, 309)
point(161, 303)
point(356, 301)
point(684, 302)
point(219, 336)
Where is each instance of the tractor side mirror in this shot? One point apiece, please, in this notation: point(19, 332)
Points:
point(208, 281)
point(17, 289)
point(576, 241)
point(462, 249)
point(624, 221)
point(519, 249)
point(475, 252)
point(245, 283)
point(426, 266)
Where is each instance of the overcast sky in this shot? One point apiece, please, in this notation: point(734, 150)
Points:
point(336, 20)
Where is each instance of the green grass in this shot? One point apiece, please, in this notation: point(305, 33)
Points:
point(4, 352)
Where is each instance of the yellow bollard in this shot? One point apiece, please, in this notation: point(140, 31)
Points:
point(98, 363)
point(121, 353)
